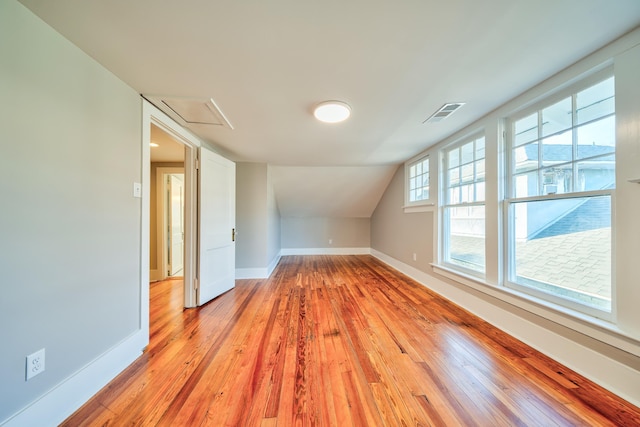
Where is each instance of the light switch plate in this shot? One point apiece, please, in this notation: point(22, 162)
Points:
point(137, 190)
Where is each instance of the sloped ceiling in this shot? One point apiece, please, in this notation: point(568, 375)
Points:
point(351, 191)
point(267, 63)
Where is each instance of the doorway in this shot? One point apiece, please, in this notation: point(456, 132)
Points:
point(174, 208)
point(172, 204)
point(167, 244)
point(199, 276)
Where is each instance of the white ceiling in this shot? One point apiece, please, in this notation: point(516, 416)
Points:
point(266, 64)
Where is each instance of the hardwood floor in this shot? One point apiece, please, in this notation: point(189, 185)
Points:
point(340, 341)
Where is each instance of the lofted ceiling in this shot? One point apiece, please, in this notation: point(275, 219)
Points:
point(266, 64)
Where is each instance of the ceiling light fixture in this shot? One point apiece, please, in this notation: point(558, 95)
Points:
point(332, 111)
point(153, 144)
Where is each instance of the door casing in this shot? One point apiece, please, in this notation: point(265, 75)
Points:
point(152, 115)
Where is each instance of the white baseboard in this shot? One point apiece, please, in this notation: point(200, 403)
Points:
point(258, 273)
point(59, 403)
point(325, 251)
point(274, 263)
point(251, 273)
point(616, 377)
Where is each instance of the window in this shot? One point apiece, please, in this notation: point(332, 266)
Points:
point(417, 181)
point(561, 180)
point(463, 209)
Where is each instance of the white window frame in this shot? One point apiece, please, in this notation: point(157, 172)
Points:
point(423, 204)
point(445, 204)
point(510, 199)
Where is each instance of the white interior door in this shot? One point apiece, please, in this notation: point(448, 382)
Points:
point(217, 213)
point(176, 223)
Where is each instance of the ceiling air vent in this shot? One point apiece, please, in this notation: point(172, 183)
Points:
point(192, 111)
point(445, 111)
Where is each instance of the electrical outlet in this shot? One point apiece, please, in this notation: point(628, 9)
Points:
point(415, 257)
point(331, 241)
point(35, 364)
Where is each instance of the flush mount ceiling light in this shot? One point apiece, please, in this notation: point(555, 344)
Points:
point(332, 111)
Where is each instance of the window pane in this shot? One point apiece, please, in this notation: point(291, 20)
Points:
point(525, 158)
point(557, 149)
point(525, 185)
point(425, 166)
point(557, 117)
point(597, 174)
point(467, 172)
point(597, 138)
point(454, 176)
point(557, 180)
point(454, 195)
point(479, 192)
point(479, 170)
point(563, 247)
point(417, 185)
point(467, 153)
point(526, 129)
point(453, 158)
point(466, 237)
point(424, 194)
point(466, 193)
point(596, 101)
point(480, 148)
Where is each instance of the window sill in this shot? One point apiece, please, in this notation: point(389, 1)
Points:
point(423, 207)
point(593, 327)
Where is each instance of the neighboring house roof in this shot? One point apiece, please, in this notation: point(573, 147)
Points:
point(562, 152)
point(592, 214)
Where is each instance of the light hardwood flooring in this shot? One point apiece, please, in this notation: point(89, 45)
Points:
point(340, 341)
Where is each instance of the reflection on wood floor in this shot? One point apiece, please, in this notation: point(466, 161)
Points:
point(340, 341)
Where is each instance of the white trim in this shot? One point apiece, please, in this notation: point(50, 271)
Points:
point(424, 207)
point(607, 372)
point(325, 251)
point(151, 114)
point(251, 273)
point(274, 263)
point(420, 158)
point(63, 400)
point(258, 273)
point(598, 329)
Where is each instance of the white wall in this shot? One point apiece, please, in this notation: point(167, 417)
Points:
point(274, 239)
point(251, 208)
point(257, 220)
point(70, 137)
point(311, 233)
point(608, 353)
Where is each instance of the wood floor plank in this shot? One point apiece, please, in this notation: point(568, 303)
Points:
point(339, 341)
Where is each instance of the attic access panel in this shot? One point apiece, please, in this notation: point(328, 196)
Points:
point(192, 111)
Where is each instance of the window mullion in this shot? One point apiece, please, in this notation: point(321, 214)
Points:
point(540, 152)
point(574, 143)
